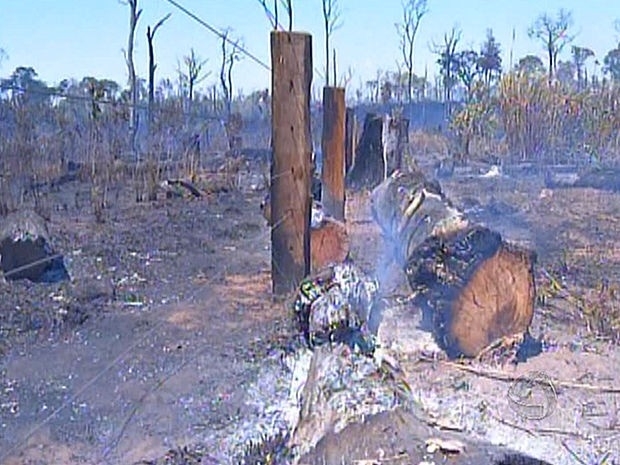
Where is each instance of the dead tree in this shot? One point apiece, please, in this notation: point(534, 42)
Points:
point(150, 36)
point(229, 58)
point(193, 74)
point(413, 11)
point(331, 22)
point(475, 288)
point(289, 11)
point(447, 63)
point(134, 16)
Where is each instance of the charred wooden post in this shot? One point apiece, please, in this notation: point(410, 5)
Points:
point(368, 169)
point(291, 65)
point(333, 146)
point(395, 140)
point(402, 146)
point(350, 139)
point(475, 287)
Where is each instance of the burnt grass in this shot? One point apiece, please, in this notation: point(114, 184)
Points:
point(185, 253)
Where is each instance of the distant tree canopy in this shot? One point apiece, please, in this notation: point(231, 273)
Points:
point(531, 65)
point(489, 60)
point(611, 64)
point(23, 83)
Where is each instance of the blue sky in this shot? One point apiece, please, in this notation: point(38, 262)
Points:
point(76, 38)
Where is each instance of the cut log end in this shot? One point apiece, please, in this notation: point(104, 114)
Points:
point(329, 243)
point(329, 240)
point(481, 289)
point(496, 303)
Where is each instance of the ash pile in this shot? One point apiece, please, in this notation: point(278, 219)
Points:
point(334, 374)
point(26, 250)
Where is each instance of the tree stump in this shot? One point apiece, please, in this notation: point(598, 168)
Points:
point(25, 250)
point(475, 288)
point(368, 168)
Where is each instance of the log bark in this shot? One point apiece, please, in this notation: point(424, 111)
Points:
point(474, 287)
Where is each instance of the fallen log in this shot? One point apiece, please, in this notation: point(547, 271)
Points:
point(26, 251)
point(474, 287)
point(602, 178)
point(193, 190)
point(329, 240)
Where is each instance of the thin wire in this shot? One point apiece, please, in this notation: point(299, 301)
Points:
point(219, 34)
point(118, 359)
point(32, 264)
point(85, 98)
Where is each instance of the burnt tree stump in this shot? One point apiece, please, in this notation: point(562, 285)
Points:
point(474, 287)
point(368, 169)
point(26, 252)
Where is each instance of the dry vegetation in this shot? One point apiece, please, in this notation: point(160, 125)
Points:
point(530, 119)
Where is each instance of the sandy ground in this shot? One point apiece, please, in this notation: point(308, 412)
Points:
point(168, 317)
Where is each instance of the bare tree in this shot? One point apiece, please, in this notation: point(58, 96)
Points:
point(273, 16)
point(448, 63)
point(229, 58)
point(553, 33)
point(193, 74)
point(150, 35)
point(289, 11)
point(134, 16)
point(413, 12)
point(3, 55)
point(331, 22)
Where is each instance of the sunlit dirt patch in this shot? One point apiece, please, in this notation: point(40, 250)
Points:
point(187, 316)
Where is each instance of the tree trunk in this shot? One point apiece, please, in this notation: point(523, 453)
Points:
point(134, 15)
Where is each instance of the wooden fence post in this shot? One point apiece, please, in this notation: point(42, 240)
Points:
point(350, 139)
point(291, 78)
point(333, 195)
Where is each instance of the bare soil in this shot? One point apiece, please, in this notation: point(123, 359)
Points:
point(169, 315)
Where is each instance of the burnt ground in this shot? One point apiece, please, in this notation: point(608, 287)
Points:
point(154, 342)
